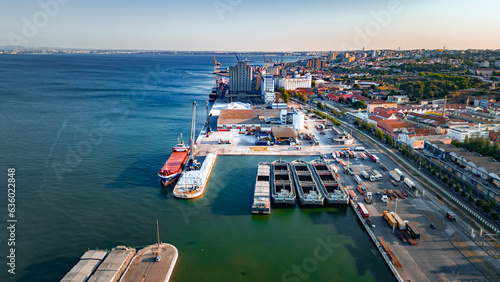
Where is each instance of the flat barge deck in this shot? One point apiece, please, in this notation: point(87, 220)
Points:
point(329, 185)
point(283, 192)
point(261, 198)
point(306, 185)
point(192, 183)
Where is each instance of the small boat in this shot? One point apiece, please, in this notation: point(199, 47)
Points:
point(307, 187)
point(261, 199)
point(282, 183)
point(172, 168)
point(329, 185)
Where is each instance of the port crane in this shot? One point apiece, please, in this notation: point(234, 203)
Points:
point(192, 138)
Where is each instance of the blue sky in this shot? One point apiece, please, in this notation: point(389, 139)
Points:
point(244, 25)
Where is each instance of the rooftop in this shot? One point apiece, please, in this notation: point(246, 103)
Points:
point(283, 132)
point(256, 116)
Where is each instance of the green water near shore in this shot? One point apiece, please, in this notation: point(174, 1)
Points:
point(224, 242)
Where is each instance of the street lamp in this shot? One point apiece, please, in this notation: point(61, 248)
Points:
point(394, 223)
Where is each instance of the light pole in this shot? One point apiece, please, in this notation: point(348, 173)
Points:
point(394, 223)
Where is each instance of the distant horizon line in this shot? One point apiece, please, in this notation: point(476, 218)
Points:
point(24, 48)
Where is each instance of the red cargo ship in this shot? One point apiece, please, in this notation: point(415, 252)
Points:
point(174, 165)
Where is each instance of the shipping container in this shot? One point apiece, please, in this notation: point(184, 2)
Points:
point(364, 212)
point(413, 231)
point(374, 158)
point(351, 154)
point(400, 223)
point(389, 218)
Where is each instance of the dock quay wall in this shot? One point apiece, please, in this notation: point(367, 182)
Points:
point(377, 243)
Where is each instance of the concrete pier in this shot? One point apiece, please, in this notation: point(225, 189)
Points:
point(146, 267)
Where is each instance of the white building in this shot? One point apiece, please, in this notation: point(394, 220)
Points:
point(484, 64)
point(400, 99)
point(294, 83)
point(240, 78)
point(268, 97)
point(298, 120)
point(267, 84)
point(274, 70)
point(459, 133)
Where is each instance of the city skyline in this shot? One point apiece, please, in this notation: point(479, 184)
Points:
point(237, 25)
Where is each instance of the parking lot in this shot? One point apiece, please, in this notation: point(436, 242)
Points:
point(438, 255)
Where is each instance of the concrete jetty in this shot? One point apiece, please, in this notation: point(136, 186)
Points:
point(88, 263)
point(154, 263)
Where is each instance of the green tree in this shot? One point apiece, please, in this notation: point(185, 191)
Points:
point(379, 134)
point(360, 104)
point(320, 105)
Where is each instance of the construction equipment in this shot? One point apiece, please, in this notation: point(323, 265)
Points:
point(193, 136)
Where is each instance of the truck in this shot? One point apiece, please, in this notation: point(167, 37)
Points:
point(337, 153)
point(353, 195)
point(410, 184)
point(375, 158)
point(225, 140)
point(394, 175)
point(350, 170)
point(399, 222)
point(351, 154)
point(401, 175)
point(384, 198)
point(389, 218)
point(365, 174)
point(383, 167)
point(368, 198)
point(359, 149)
point(263, 143)
point(358, 179)
point(334, 168)
point(375, 175)
point(363, 156)
point(334, 156)
point(363, 211)
point(360, 190)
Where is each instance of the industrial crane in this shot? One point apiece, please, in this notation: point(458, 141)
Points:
point(193, 134)
point(216, 71)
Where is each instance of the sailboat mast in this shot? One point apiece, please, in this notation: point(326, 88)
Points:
point(158, 233)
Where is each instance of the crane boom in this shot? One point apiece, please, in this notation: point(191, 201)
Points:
point(191, 140)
